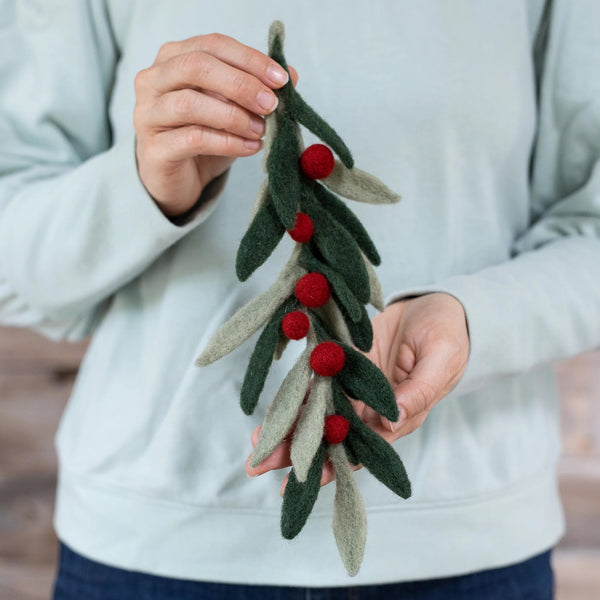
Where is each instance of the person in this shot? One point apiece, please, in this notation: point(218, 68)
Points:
point(121, 208)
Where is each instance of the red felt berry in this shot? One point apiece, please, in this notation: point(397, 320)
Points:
point(336, 428)
point(327, 359)
point(313, 290)
point(295, 325)
point(317, 161)
point(303, 228)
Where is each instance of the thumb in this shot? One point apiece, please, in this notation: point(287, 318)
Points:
point(422, 387)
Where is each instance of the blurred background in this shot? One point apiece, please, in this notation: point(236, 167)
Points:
point(36, 377)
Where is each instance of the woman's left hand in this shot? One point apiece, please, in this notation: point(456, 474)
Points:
point(422, 345)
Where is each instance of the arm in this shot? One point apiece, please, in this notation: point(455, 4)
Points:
point(81, 216)
point(549, 292)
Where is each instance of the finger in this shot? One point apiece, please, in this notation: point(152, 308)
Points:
point(201, 70)
point(190, 107)
point(293, 74)
point(230, 51)
point(176, 145)
point(278, 459)
point(426, 384)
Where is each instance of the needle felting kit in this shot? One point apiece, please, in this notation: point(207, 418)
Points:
point(320, 294)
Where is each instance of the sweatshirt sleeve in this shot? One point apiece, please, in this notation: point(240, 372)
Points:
point(543, 304)
point(76, 222)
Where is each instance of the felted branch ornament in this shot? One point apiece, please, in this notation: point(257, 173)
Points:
point(320, 294)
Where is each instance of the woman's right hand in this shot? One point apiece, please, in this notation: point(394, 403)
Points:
point(198, 107)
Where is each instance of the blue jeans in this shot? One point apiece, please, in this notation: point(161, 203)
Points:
point(79, 578)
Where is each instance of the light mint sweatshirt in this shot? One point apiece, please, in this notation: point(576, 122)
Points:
point(501, 208)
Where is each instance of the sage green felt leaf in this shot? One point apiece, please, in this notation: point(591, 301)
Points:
point(309, 429)
point(345, 217)
point(362, 380)
point(370, 449)
point(283, 411)
point(259, 200)
point(307, 259)
point(349, 516)
point(376, 298)
point(259, 241)
point(271, 129)
point(262, 357)
point(332, 316)
point(284, 175)
point(337, 247)
point(336, 321)
point(359, 185)
point(299, 498)
point(253, 315)
point(313, 122)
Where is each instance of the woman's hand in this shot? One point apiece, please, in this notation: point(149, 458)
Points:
point(422, 346)
point(198, 107)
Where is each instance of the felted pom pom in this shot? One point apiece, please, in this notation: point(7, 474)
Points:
point(327, 359)
point(336, 428)
point(317, 161)
point(295, 325)
point(313, 290)
point(303, 228)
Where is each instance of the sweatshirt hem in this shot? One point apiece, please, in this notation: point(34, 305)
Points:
point(138, 533)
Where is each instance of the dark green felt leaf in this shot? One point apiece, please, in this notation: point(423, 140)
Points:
point(361, 331)
point(341, 290)
point(262, 357)
point(338, 209)
point(259, 241)
point(337, 246)
point(299, 498)
point(370, 449)
point(362, 380)
point(313, 122)
point(284, 173)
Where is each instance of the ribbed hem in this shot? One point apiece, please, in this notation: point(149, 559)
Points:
point(130, 531)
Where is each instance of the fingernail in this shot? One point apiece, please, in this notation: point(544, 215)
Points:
point(257, 125)
point(267, 100)
point(252, 144)
point(277, 74)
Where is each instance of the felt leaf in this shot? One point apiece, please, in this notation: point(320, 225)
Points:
point(276, 38)
point(337, 247)
point(299, 498)
point(344, 294)
point(313, 122)
point(345, 217)
point(349, 516)
point(253, 315)
point(359, 185)
point(262, 357)
point(283, 411)
point(371, 450)
point(362, 380)
point(336, 323)
point(269, 135)
point(282, 343)
point(284, 175)
point(361, 331)
point(376, 298)
point(331, 314)
point(259, 200)
point(309, 429)
point(259, 241)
